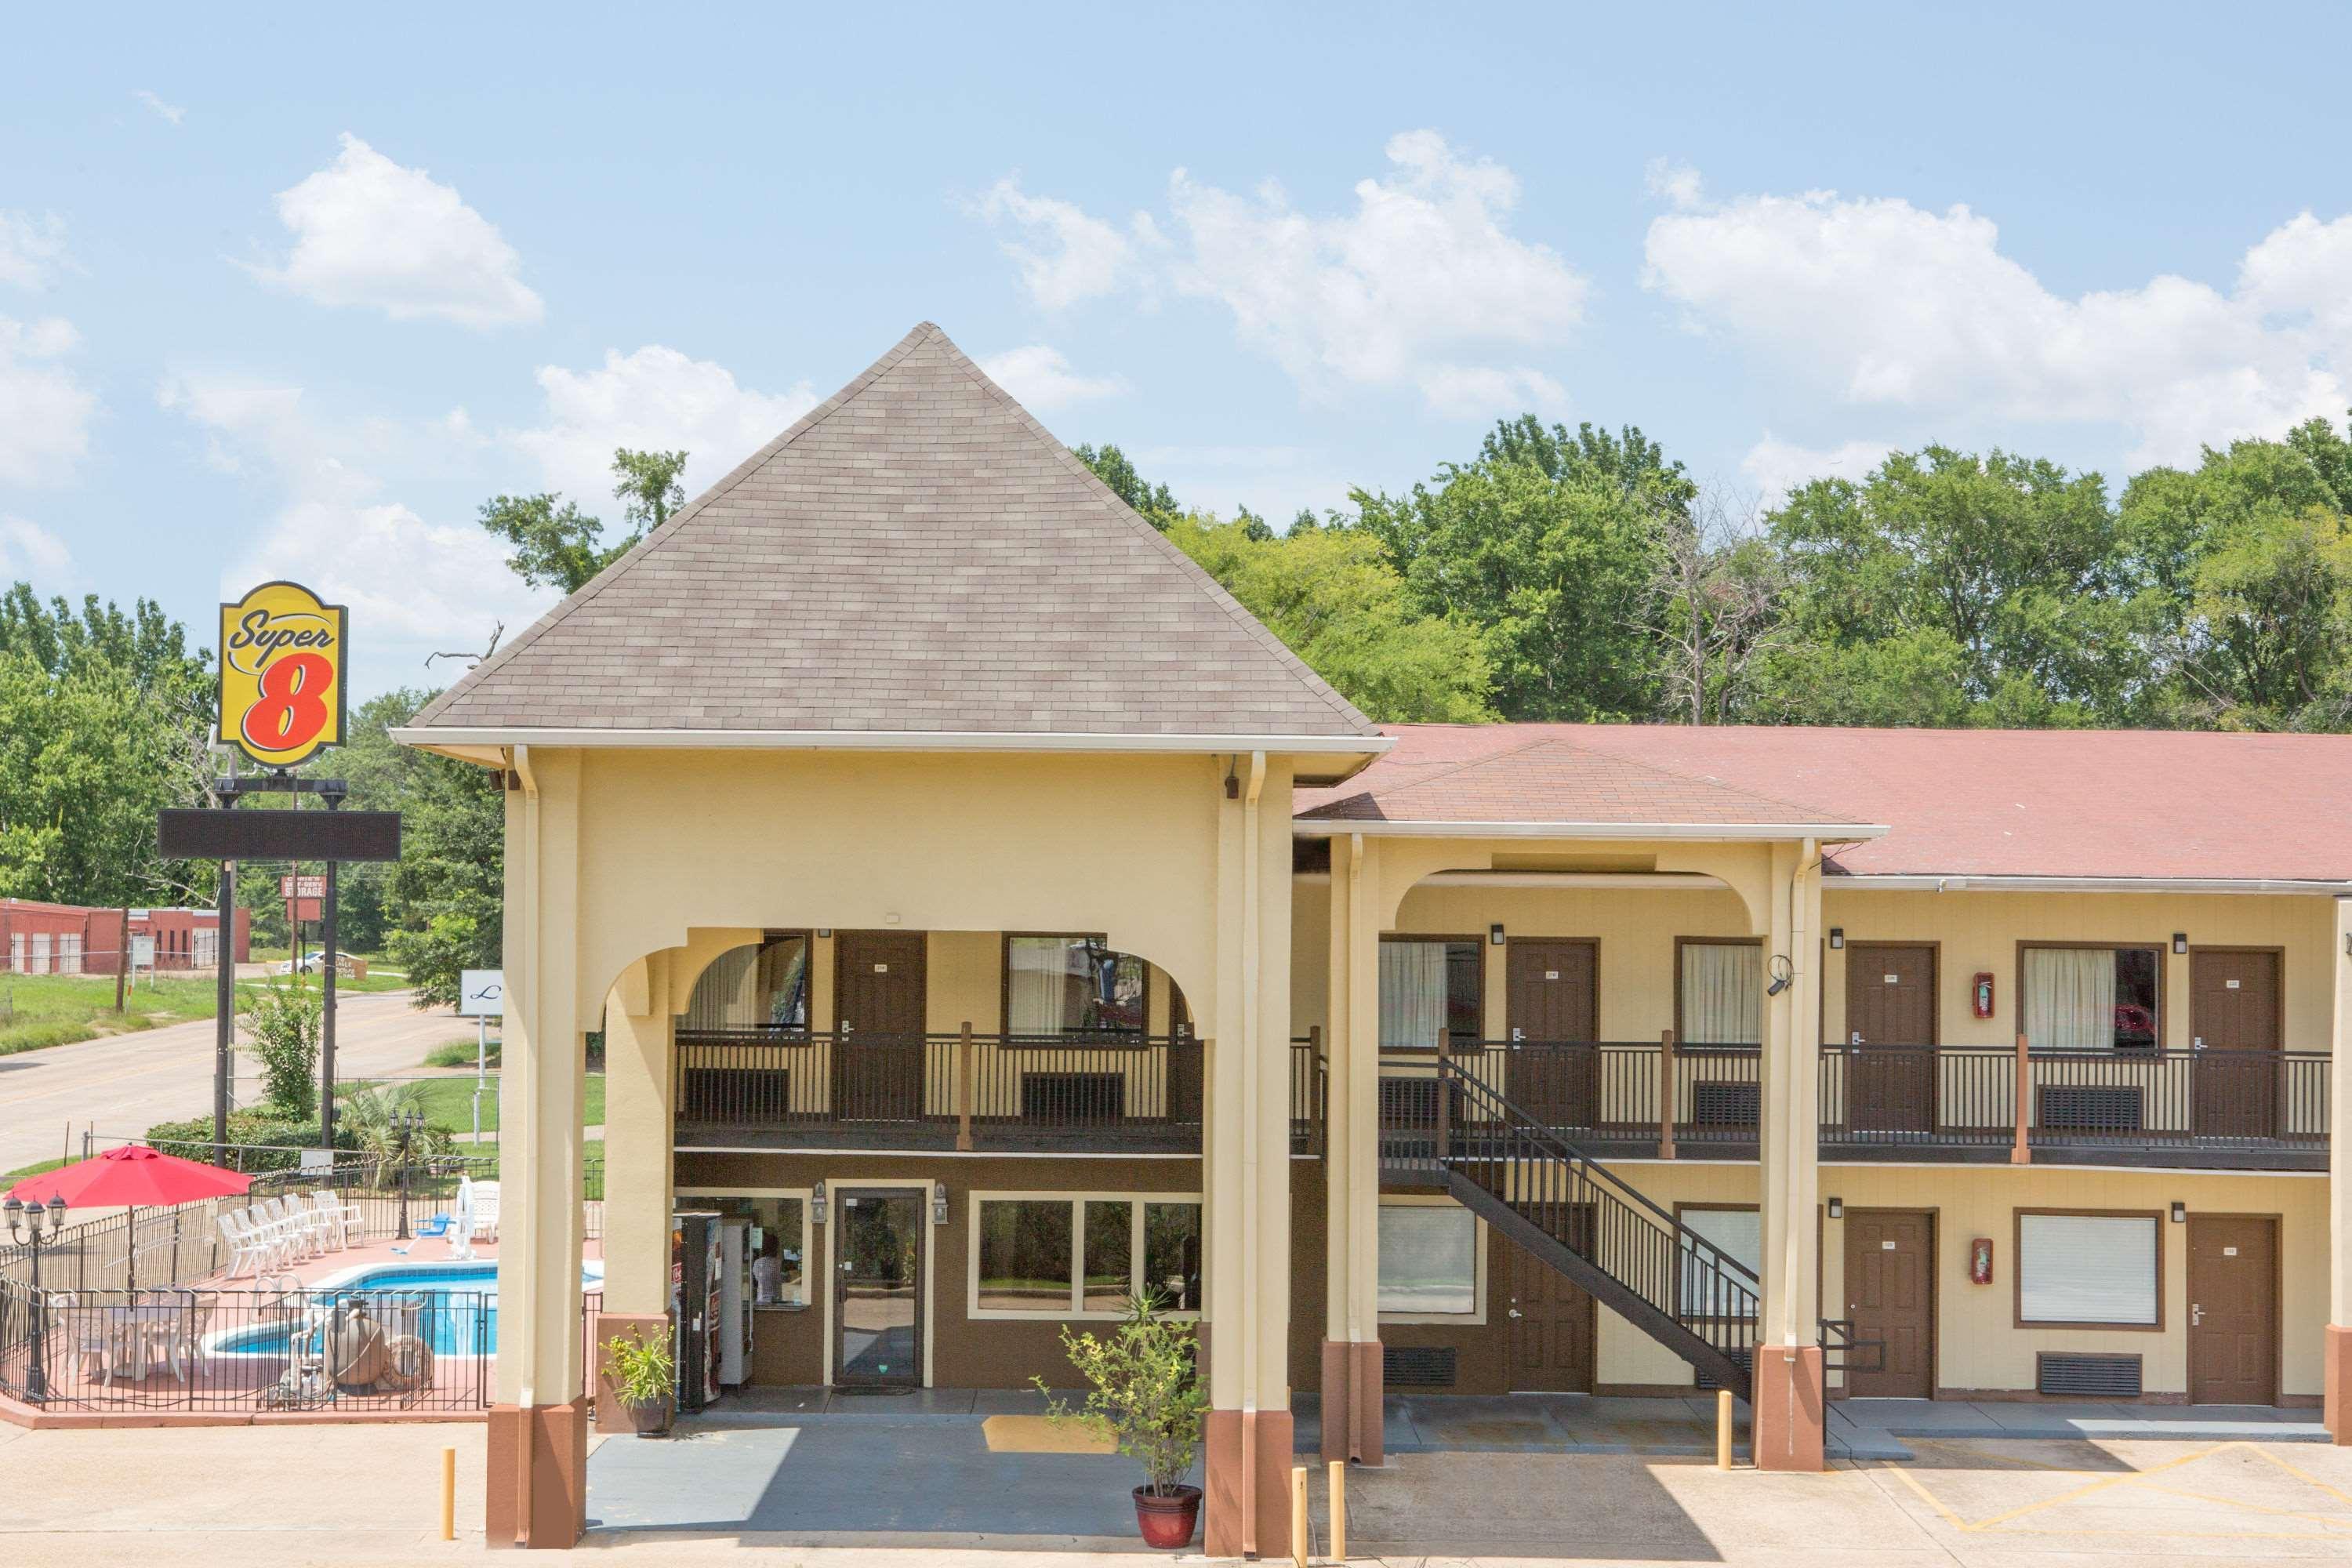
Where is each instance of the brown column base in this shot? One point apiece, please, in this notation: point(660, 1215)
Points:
point(611, 1415)
point(1224, 1531)
point(1786, 1416)
point(548, 1443)
point(1351, 1404)
point(2336, 1384)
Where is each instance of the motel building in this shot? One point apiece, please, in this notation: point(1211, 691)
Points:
point(976, 898)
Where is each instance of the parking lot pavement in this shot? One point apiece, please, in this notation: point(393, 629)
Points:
point(260, 1496)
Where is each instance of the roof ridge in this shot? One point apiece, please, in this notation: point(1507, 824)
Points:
point(573, 602)
point(1719, 783)
point(1208, 587)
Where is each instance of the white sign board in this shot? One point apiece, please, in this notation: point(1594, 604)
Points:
point(481, 993)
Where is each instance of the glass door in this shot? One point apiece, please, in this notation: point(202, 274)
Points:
point(878, 1290)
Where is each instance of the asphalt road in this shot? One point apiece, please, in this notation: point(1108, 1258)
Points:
point(125, 1083)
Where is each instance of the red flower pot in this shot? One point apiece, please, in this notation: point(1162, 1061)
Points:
point(1167, 1523)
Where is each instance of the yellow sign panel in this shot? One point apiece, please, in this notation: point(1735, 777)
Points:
point(281, 674)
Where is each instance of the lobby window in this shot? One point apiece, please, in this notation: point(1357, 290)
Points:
point(1722, 993)
point(1431, 992)
point(2090, 998)
point(754, 987)
point(777, 1241)
point(2092, 1270)
point(1738, 1234)
point(1060, 1256)
point(1072, 985)
point(1429, 1260)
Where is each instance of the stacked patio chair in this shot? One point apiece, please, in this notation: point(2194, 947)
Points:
point(344, 1223)
point(253, 1245)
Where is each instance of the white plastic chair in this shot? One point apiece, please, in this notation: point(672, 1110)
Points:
point(344, 1223)
point(486, 1211)
point(249, 1248)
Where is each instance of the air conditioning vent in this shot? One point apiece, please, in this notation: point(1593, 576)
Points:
point(1072, 1097)
point(2079, 1375)
point(2092, 1108)
point(1417, 1366)
point(1725, 1104)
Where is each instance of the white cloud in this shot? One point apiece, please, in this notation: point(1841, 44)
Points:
point(1041, 379)
point(170, 111)
point(1421, 285)
point(1776, 467)
point(1065, 256)
point(1888, 304)
point(45, 413)
point(370, 233)
point(656, 397)
point(32, 250)
point(414, 585)
point(31, 553)
point(1676, 183)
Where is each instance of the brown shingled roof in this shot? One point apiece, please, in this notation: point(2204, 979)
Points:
point(917, 554)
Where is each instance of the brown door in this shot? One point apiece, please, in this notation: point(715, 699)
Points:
point(1552, 1325)
point(2233, 1012)
point(1890, 1290)
point(1550, 1000)
point(880, 1003)
point(2232, 1311)
point(1890, 1019)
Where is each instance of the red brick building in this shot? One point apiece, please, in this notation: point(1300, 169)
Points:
point(67, 939)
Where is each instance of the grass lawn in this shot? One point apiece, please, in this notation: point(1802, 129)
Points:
point(459, 1054)
point(448, 1103)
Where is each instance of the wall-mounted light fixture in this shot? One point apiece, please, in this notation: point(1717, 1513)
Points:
point(1837, 939)
point(816, 1204)
point(825, 932)
point(939, 1202)
point(1837, 1208)
point(1495, 934)
point(2180, 941)
point(1782, 974)
point(2180, 1214)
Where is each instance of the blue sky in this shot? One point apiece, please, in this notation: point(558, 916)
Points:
point(294, 300)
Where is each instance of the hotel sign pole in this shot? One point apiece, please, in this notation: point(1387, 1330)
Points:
point(225, 994)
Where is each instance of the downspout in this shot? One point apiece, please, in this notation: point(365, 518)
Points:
point(1356, 1133)
point(1249, 1140)
point(526, 1291)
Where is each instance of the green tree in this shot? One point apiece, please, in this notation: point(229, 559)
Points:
point(283, 1023)
point(445, 894)
point(558, 545)
point(1334, 600)
point(1155, 503)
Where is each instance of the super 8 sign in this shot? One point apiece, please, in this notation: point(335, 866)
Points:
point(281, 674)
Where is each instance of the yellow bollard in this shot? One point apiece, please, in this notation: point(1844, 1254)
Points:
point(1339, 1510)
point(448, 1494)
point(1298, 1553)
point(1723, 1428)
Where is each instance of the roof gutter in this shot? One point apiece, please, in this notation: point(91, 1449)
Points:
point(1698, 831)
point(439, 737)
point(1912, 883)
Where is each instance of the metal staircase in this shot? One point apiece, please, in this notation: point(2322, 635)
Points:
point(1522, 1177)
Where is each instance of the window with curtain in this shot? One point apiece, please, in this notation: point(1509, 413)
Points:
point(1048, 1256)
point(1430, 991)
point(1072, 985)
point(1723, 994)
point(2090, 998)
point(1429, 1259)
point(1738, 1235)
point(757, 987)
point(2087, 1269)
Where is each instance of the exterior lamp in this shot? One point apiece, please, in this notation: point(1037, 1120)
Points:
point(816, 1204)
point(1837, 939)
point(939, 1202)
point(2180, 941)
point(1495, 934)
point(29, 1224)
point(2180, 1214)
point(1837, 1208)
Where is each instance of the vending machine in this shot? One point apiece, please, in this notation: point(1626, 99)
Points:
point(736, 1251)
point(695, 1280)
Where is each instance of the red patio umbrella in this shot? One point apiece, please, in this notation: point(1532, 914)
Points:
point(134, 1177)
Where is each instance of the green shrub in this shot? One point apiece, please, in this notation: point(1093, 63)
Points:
point(193, 1139)
point(1143, 1390)
point(284, 1021)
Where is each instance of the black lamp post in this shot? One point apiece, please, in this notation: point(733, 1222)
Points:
point(407, 1124)
point(28, 1223)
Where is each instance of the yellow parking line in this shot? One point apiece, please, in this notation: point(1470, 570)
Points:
point(2102, 1484)
point(2304, 1476)
point(2333, 1520)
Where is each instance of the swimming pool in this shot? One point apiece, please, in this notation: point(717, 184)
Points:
point(452, 1307)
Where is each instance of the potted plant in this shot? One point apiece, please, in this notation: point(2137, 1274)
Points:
point(642, 1375)
point(1144, 1392)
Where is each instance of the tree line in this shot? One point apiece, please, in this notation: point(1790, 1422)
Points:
point(1553, 574)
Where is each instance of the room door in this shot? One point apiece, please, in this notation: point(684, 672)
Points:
point(1890, 1290)
point(1890, 1019)
point(878, 1303)
point(2233, 1012)
point(2234, 1347)
point(1551, 1322)
point(880, 1004)
point(1551, 1009)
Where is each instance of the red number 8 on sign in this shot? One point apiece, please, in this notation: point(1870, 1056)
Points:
point(293, 705)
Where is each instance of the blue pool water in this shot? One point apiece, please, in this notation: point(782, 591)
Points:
point(456, 1308)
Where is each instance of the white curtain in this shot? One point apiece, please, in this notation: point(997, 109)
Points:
point(1037, 990)
point(2086, 1269)
point(2070, 998)
point(1412, 995)
point(1428, 1258)
point(1723, 994)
